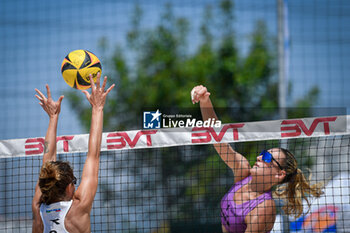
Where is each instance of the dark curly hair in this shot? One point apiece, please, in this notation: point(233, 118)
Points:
point(54, 177)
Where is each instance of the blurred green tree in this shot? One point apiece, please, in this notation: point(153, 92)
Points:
point(159, 67)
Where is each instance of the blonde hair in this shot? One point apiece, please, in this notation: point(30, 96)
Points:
point(54, 177)
point(295, 187)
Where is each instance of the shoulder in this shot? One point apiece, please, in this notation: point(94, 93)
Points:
point(266, 208)
point(242, 179)
point(77, 208)
point(77, 218)
point(262, 217)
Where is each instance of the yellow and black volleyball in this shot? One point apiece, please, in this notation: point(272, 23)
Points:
point(77, 66)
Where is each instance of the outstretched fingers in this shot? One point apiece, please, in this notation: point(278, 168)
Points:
point(97, 84)
point(42, 103)
point(98, 93)
point(50, 106)
point(48, 91)
point(86, 93)
point(39, 98)
point(98, 80)
point(104, 83)
point(42, 96)
point(59, 101)
point(110, 88)
point(93, 85)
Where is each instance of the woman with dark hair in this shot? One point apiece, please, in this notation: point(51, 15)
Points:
point(56, 206)
point(249, 206)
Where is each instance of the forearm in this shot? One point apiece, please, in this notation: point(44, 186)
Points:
point(96, 131)
point(89, 180)
point(207, 110)
point(233, 159)
point(50, 140)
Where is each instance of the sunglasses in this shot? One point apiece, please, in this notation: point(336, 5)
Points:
point(267, 158)
point(74, 181)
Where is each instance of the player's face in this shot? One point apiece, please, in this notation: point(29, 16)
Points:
point(268, 163)
point(268, 157)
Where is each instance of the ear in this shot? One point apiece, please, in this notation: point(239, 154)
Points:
point(69, 188)
point(281, 175)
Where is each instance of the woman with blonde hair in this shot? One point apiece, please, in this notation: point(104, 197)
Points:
point(249, 206)
point(56, 206)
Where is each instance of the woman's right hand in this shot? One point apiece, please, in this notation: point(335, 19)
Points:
point(98, 95)
point(199, 94)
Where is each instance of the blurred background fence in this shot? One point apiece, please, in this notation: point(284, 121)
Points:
point(36, 35)
point(156, 51)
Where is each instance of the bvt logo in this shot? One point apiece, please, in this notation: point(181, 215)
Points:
point(151, 120)
point(35, 146)
point(294, 128)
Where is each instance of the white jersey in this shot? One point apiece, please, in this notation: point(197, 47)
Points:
point(53, 216)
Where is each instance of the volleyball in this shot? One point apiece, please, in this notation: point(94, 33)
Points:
point(77, 66)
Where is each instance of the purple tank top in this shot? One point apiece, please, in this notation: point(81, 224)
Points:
point(232, 214)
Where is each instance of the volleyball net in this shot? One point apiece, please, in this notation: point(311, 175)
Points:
point(172, 180)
